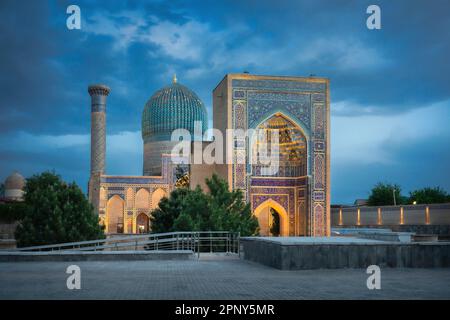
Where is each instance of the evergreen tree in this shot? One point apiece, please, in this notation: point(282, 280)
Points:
point(12, 211)
point(163, 217)
point(228, 209)
point(194, 210)
point(56, 212)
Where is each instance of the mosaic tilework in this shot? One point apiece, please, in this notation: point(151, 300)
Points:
point(240, 115)
point(283, 200)
point(261, 109)
point(239, 94)
point(98, 142)
point(306, 103)
point(171, 108)
point(319, 196)
point(319, 171)
point(318, 219)
point(284, 85)
point(279, 182)
point(319, 145)
point(319, 121)
point(302, 216)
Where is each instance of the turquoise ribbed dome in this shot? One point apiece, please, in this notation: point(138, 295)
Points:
point(172, 107)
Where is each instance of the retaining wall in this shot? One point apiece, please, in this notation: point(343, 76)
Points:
point(329, 255)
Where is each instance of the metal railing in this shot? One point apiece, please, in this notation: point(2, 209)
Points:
point(196, 241)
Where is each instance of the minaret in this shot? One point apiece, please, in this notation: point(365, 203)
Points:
point(98, 94)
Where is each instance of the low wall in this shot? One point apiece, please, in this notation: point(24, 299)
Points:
point(11, 256)
point(421, 217)
point(418, 228)
point(333, 253)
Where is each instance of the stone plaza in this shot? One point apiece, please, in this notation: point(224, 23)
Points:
point(214, 277)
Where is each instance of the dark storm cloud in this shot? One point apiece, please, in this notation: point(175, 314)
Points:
point(135, 46)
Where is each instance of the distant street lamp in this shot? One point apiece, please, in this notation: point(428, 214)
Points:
point(393, 192)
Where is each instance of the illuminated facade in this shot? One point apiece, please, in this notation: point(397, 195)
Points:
point(300, 108)
point(296, 196)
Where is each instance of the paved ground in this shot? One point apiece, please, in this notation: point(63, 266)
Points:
point(213, 279)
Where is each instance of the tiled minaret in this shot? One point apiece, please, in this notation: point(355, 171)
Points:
point(98, 93)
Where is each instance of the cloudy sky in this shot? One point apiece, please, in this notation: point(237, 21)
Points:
point(390, 88)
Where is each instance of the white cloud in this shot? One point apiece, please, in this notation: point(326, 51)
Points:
point(222, 51)
point(184, 42)
point(124, 28)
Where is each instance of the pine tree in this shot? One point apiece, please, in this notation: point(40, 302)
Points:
point(56, 212)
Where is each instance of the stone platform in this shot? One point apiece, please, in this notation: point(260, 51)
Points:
point(11, 256)
point(296, 253)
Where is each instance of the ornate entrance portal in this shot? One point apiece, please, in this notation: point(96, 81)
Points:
point(298, 107)
point(285, 143)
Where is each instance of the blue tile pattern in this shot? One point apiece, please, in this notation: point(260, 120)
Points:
point(170, 108)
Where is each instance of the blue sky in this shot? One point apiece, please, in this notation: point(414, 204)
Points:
point(390, 88)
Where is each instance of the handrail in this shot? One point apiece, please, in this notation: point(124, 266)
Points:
point(223, 241)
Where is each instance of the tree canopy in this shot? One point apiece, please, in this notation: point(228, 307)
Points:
point(429, 195)
point(56, 212)
point(382, 194)
point(194, 210)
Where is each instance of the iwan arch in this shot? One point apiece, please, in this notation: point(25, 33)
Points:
point(297, 195)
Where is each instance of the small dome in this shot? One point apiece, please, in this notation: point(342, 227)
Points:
point(170, 108)
point(15, 182)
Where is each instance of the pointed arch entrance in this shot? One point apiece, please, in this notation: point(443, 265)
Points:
point(265, 215)
point(142, 223)
point(283, 139)
point(115, 215)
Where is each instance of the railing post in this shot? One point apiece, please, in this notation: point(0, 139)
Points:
point(210, 242)
point(226, 242)
point(238, 244)
point(198, 245)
